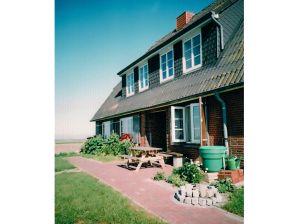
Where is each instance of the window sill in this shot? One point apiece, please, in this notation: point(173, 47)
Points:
point(167, 79)
point(144, 89)
point(185, 72)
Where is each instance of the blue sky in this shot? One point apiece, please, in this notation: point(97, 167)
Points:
point(96, 39)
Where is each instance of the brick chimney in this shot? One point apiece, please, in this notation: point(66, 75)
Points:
point(183, 19)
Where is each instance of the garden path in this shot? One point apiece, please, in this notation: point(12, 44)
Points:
point(155, 197)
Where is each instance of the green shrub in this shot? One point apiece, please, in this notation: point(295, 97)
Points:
point(176, 180)
point(224, 185)
point(109, 146)
point(159, 176)
point(236, 202)
point(191, 173)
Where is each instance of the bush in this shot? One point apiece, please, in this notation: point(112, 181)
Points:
point(224, 185)
point(190, 173)
point(236, 202)
point(159, 176)
point(176, 180)
point(109, 146)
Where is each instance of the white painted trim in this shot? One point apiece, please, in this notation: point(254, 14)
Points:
point(165, 52)
point(190, 36)
point(139, 82)
point(193, 30)
point(132, 93)
point(173, 108)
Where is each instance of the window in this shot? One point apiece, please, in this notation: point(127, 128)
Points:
point(167, 66)
point(178, 130)
point(192, 53)
point(106, 129)
point(186, 123)
point(130, 89)
point(126, 125)
point(143, 78)
point(98, 129)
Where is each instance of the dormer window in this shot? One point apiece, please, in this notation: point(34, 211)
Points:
point(143, 78)
point(192, 52)
point(130, 89)
point(167, 66)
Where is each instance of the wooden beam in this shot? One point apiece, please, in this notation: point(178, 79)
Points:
point(204, 136)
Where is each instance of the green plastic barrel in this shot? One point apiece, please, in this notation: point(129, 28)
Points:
point(213, 157)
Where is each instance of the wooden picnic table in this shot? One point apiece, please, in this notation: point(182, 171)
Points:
point(143, 155)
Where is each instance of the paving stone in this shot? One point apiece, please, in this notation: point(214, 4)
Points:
point(189, 193)
point(214, 200)
point(203, 193)
point(180, 198)
point(187, 200)
point(202, 201)
point(188, 187)
point(195, 193)
point(208, 201)
point(182, 191)
point(218, 197)
point(195, 201)
point(209, 193)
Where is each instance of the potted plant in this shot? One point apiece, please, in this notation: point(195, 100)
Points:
point(233, 162)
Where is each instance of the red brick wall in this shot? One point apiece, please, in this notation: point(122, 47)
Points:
point(183, 19)
point(235, 121)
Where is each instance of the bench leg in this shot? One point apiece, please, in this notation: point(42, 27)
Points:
point(162, 163)
point(139, 166)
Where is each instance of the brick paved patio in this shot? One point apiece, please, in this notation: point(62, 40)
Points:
point(155, 197)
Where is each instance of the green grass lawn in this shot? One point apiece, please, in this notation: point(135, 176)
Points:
point(80, 198)
point(61, 164)
point(236, 202)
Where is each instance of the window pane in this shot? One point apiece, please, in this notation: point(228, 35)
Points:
point(170, 64)
point(170, 55)
point(171, 72)
point(196, 134)
point(196, 50)
point(198, 60)
point(179, 134)
point(188, 64)
point(188, 55)
point(196, 40)
point(163, 59)
point(178, 124)
point(187, 45)
point(164, 74)
point(179, 113)
point(164, 67)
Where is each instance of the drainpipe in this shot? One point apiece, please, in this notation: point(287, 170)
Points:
point(215, 16)
point(224, 119)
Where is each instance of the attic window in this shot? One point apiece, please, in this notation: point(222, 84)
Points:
point(192, 52)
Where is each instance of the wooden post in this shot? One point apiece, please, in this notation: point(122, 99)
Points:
point(204, 137)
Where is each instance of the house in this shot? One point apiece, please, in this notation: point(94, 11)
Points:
point(187, 90)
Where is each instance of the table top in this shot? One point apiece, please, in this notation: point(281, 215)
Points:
point(145, 148)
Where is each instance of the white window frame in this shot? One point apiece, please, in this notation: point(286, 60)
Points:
point(127, 87)
point(190, 37)
point(173, 108)
point(145, 87)
point(165, 52)
point(108, 123)
point(192, 123)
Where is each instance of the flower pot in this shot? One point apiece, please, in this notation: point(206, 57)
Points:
point(233, 164)
point(212, 157)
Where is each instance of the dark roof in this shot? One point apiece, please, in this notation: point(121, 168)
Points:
point(217, 6)
point(227, 72)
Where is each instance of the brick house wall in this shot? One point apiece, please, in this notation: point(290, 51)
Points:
point(235, 121)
